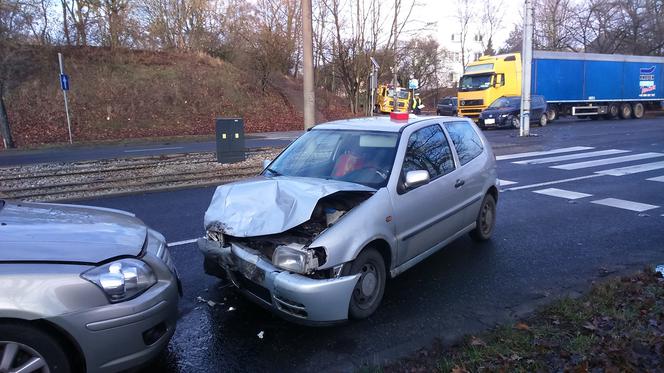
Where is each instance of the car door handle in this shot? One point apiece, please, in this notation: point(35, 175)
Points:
point(459, 183)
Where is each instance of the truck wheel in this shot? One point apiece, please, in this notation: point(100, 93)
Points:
point(515, 122)
point(613, 111)
point(552, 113)
point(638, 110)
point(369, 290)
point(486, 219)
point(23, 344)
point(543, 120)
point(625, 110)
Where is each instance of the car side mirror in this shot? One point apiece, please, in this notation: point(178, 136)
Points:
point(266, 162)
point(416, 178)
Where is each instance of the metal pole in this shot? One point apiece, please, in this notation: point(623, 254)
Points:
point(394, 66)
point(308, 66)
point(62, 71)
point(526, 59)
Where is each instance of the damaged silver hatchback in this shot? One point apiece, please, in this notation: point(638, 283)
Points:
point(347, 205)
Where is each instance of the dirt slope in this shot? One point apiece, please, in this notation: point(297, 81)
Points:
point(133, 94)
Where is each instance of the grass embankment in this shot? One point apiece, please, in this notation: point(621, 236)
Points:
point(138, 94)
point(617, 327)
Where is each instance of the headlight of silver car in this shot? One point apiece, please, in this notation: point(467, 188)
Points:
point(122, 279)
point(294, 258)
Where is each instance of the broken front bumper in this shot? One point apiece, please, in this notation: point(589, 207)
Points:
point(297, 297)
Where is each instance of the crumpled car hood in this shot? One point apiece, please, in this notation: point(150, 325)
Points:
point(270, 205)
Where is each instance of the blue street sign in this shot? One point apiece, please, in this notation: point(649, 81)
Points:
point(64, 82)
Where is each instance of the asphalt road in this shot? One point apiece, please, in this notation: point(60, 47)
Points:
point(547, 243)
point(88, 152)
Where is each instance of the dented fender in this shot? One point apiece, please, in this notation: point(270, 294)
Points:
point(359, 227)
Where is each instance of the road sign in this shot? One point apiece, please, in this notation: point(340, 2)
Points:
point(64, 82)
point(413, 84)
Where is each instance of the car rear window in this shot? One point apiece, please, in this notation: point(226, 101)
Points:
point(466, 141)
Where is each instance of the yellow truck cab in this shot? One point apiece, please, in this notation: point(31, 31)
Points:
point(385, 98)
point(487, 79)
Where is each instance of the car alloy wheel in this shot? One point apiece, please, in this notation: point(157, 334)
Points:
point(515, 122)
point(543, 121)
point(17, 357)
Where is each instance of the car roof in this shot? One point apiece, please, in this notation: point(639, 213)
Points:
point(377, 123)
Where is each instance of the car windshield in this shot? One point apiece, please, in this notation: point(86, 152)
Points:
point(403, 94)
point(363, 157)
point(474, 82)
point(504, 102)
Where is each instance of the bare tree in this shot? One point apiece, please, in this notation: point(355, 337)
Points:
point(465, 16)
point(493, 13)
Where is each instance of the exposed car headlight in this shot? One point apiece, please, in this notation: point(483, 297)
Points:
point(504, 115)
point(216, 236)
point(294, 259)
point(122, 279)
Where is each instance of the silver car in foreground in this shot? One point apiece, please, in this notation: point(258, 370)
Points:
point(82, 289)
point(346, 205)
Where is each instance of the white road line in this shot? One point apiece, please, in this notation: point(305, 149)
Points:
point(152, 149)
point(626, 205)
point(553, 182)
point(622, 171)
point(568, 157)
point(535, 154)
point(602, 162)
point(658, 178)
point(184, 242)
point(502, 182)
point(567, 194)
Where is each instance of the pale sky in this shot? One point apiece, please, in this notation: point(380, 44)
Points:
point(443, 12)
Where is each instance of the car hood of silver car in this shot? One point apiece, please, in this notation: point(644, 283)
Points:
point(38, 232)
point(270, 205)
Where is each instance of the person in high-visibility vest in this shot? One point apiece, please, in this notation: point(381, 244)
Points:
point(417, 102)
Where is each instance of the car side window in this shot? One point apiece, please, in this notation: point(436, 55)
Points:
point(466, 141)
point(429, 150)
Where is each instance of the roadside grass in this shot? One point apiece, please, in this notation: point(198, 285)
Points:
point(617, 327)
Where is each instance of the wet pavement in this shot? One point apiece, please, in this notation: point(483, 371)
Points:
point(543, 248)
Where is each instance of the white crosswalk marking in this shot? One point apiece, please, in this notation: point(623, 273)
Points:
point(622, 171)
point(568, 157)
point(502, 182)
point(535, 154)
point(605, 161)
point(658, 178)
point(562, 193)
point(624, 204)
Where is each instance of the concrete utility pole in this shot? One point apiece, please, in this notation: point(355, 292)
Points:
point(308, 66)
point(394, 67)
point(526, 60)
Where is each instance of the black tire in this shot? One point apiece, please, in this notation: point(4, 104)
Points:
point(638, 110)
point(543, 120)
point(613, 110)
point(625, 110)
point(551, 113)
point(30, 342)
point(514, 121)
point(486, 219)
point(371, 265)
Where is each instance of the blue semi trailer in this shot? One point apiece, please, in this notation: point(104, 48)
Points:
point(598, 85)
